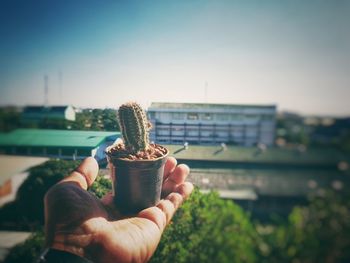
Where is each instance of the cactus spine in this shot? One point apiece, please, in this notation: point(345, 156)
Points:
point(134, 126)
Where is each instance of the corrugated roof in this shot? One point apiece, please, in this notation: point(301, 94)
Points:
point(54, 138)
point(254, 155)
point(174, 105)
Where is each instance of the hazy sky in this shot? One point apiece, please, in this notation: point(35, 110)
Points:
point(292, 53)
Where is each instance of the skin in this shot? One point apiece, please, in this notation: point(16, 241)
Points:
point(77, 222)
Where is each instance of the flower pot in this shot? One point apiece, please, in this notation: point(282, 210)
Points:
point(137, 184)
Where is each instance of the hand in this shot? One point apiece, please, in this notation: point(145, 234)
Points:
point(77, 222)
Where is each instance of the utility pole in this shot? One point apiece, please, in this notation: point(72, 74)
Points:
point(60, 86)
point(46, 90)
point(206, 92)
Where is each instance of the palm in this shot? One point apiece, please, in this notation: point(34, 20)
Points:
point(79, 223)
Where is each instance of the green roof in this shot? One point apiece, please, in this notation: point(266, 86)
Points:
point(253, 155)
point(54, 138)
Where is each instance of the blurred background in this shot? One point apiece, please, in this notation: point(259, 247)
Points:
point(253, 96)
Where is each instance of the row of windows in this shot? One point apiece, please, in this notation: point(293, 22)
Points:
point(209, 142)
point(216, 129)
point(178, 127)
point(210, 116)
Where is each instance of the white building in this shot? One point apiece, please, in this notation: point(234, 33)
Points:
point(176, 123)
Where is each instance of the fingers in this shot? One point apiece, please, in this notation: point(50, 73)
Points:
point(169, 167)
point(85, 174)
point(175, 178)
point(184, 189)
point(107, 199)
point(166, 208)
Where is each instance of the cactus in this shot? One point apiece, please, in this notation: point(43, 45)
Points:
point(134, 126)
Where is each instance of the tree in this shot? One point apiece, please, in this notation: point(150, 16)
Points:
point(101, 186)
point(208, 229)
point(319, 232)
point(28, 251)
point(9, 119)
point(27, 209)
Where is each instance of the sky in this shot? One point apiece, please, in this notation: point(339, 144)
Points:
point(295, 54)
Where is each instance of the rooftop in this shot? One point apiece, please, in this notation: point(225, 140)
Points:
point(54, 138)
point(266, 182)
point(173, 105)
point(254, 155)
point(8, 239)
point(12, 165)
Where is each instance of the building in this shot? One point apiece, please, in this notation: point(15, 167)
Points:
point(65, 144)
point(39, 113)
point(267, 181)
point(247, 125)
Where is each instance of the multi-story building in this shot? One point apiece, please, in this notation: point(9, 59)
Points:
point(177, 123)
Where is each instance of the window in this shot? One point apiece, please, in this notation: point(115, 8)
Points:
point(252, 117)
point(223, 117)
point(178, 116)
point(192, 116)
point(207, 116)
point(266, 117)
point(237, 117)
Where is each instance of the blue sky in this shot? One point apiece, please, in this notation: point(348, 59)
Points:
point(292, 53)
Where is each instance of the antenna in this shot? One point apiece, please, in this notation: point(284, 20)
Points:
point(46, 91)
point(206, 92)
point(60, 86)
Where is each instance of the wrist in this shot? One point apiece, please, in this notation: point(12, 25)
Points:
point(54, 255)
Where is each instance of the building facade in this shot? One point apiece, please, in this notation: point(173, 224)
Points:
point(246, 125)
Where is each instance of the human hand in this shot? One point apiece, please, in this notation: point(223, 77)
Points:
point(79, 223)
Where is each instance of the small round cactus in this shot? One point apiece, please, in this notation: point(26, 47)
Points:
point(134, 126)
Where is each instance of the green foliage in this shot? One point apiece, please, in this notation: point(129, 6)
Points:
point(293, 130)
point(96, 119)
point(52, 124)
point(134, 127)
point(207, 229)
point(9, 119)
point(101, 186)
point(319, 232)
point(28, 251)
point(87, 119)
point(27, 209)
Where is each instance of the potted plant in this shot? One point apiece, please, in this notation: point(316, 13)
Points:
point(136, 165)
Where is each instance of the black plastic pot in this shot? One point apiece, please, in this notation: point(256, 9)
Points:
point(137, 184)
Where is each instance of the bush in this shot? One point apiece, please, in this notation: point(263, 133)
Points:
point(319, 232)
point(28, 208)
point(28, 251)
point(101, 186)
point(207, 229)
